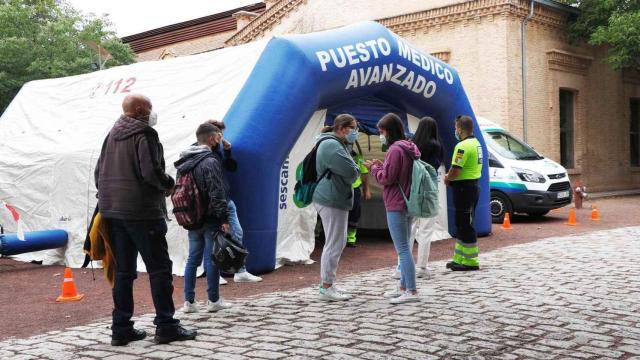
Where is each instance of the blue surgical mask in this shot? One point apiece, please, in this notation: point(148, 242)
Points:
point(352, 136)
point(457, 136)
point(383, 140)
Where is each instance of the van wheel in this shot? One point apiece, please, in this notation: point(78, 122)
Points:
point(538, 214)
point(499, 205)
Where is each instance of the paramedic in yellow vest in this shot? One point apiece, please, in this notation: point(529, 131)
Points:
point(466, 167)
point(360, 190)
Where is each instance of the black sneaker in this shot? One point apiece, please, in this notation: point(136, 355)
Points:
point(450, 264)
point(460, 267)
point(351, 245)
point(175, 333)
point(133, 335)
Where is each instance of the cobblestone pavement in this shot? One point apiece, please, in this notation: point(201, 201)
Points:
point(575, 297)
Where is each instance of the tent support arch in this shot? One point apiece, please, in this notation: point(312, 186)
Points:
point(295, 76)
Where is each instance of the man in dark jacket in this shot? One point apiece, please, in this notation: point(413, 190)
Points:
point(132, 185)
point(200, 161)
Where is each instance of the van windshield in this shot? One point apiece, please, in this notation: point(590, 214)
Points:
point(510, 147)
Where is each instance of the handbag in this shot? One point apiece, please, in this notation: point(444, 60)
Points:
point(228, 254)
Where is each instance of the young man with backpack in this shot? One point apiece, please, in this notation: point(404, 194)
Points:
point(200, 205)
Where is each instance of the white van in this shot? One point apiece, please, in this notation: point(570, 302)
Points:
point(522, 181)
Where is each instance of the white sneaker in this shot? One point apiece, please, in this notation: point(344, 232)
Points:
point(189, 307)
point(246, 277)
point(396, 274)
point(342, 291)
point(393, 293)
point(406, 297)
point(331, 294)
point(423, 273)
point(223, 281)
point(218, 305)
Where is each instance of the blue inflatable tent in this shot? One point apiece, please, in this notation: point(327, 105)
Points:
point(295, 76)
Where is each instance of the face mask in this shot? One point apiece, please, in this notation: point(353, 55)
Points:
point(383, 139)
point(216, 143)
point(457, 136)
point(352, 136)
point(153, 119)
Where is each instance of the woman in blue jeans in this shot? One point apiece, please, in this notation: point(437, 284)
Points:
point(394, 173)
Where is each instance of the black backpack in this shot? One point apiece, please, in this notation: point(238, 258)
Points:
point(228, 255)
point(307, 177)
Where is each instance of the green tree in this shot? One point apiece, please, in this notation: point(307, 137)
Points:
point(42, 39)
point(615, 23)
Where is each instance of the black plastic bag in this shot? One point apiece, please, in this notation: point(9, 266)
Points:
point(228, 255)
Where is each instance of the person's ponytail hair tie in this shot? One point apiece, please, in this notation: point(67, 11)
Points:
point(326, 129)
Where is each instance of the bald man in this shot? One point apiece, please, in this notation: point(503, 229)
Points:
point(132, 184)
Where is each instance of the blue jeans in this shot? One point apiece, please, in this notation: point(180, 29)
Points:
point(234, 227)
point(198, 241)
point(147, 237)
point(400, 229)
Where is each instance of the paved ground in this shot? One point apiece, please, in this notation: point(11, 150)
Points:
point(29, 308)
point(561, 297)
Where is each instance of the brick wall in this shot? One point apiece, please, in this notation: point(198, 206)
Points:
point(316, 15)
point(190, 47)
point(478, 53)
point(601, 127)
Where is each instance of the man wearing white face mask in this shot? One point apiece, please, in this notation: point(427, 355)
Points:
point(153, 119)
point(132, 184)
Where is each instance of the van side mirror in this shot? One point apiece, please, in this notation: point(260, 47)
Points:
point(493, 162)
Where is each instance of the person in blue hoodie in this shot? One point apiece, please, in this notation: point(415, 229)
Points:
point(207, 173)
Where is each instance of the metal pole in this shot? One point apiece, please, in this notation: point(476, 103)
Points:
point(523, 53)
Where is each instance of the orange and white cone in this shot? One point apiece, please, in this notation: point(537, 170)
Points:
point(69, 292)
point(506, 223)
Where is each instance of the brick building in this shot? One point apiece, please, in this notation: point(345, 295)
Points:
point(579, 111)
point(191, 37)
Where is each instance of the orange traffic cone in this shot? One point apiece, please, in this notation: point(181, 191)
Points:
point(572, 217)
point(69, 292)
point(595, 214)
point(506, 223)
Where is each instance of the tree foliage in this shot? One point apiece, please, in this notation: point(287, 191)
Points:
point(615, 23)
point(42, 39)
